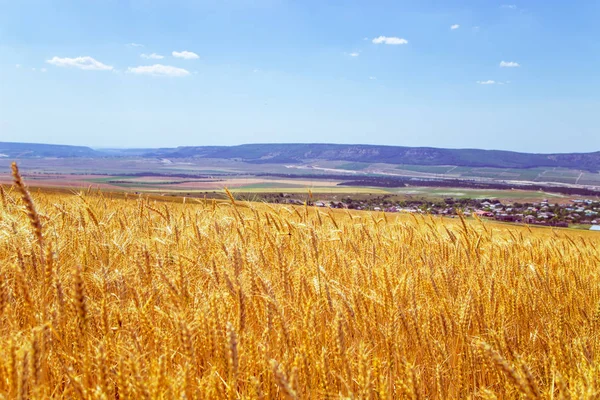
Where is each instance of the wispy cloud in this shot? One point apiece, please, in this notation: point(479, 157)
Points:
point(509, 64)
point(158, 70)
point(135, 45)
point(488, 82)
point(152, 56)
point(43, 69)
point(455, 27)
point(17, 65)
point(509, 6)
point(186, 55)
point(372, 78)
point(389, 40)
point(86, 63)
point(354, 54)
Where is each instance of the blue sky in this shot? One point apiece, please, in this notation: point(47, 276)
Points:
point(247, 71)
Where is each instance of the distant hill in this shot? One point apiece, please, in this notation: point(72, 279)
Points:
point(37, 150)
point(300, 153)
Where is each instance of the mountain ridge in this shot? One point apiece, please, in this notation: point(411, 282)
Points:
point(284, 153)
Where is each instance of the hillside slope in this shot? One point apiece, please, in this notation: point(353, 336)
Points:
point(290, 153)
point(299, 153)
point(34, 150)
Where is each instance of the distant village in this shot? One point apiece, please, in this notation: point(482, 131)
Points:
point(577, 211)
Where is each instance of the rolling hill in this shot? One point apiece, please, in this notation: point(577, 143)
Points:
point(299, 153)
point(38, 150)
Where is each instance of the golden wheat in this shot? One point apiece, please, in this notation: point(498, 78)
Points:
point(106, 298)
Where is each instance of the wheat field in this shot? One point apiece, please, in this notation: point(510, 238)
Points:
point(133, 298)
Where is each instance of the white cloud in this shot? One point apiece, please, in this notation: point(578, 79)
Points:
point(354, 54)
point(186, 55)
point(488, 82)
point(158, 70)
point(152, 56)
point(389, 40)
point(372, 78)
point(455, 27)
point(509, 64)
point(509, 6)
point(86, 63)
point(135, 45)
point(33, 69)
point(18, 66)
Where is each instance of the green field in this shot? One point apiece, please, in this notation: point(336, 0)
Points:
point(461, 193)
point(107, 179)
point(428, 169)
point(355, 166)
point(408, 192)
point(541, 174)
point(583, 227)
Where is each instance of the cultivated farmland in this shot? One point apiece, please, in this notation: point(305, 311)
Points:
point(104, 297)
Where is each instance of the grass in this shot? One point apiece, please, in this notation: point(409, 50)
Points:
point(585, 227)
point(524, 174)
point(107, 179)
point(476, 193)
point(127, 297)
point(432, 169)
point(354, 166)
